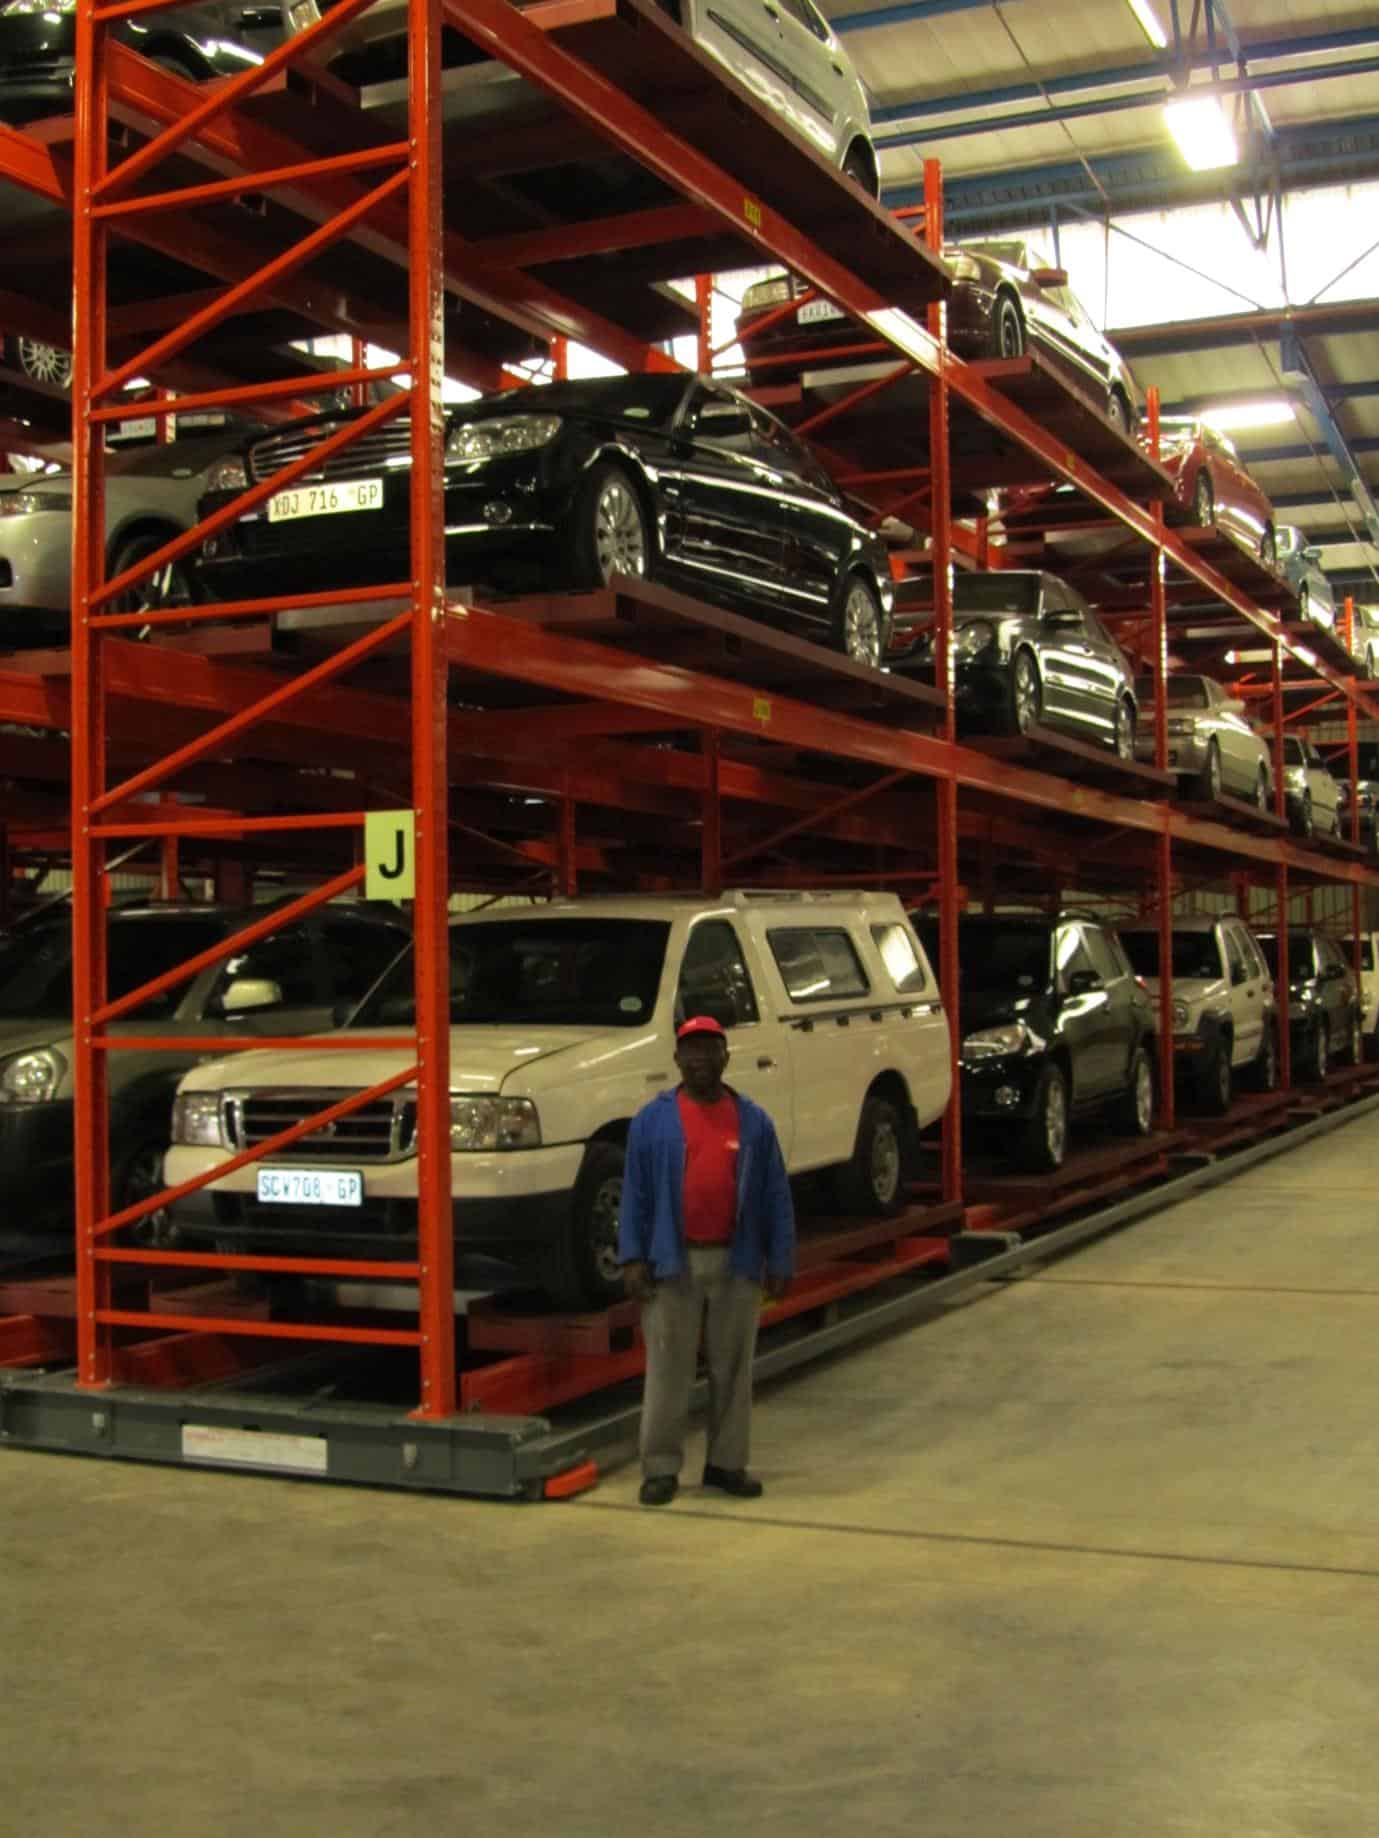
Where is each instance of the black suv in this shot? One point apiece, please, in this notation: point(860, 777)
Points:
point(1028, 649)
point(1055, 1022)
point(1325, 1025)
point(289, 983)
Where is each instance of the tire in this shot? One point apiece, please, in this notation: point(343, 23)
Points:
point(1043, 1141)
point(858, 167)
point(1268, 549)
point(1371, 661)
point(1134, 1113)
point(137, 1178)
point(40, 362)
point(1355, 1043)
point(1026, 702)
point(1264, 1071)
point(610, 531)
point(1207, 784)
point(1007, 328)
point(171, 586)
point(1302, 602)
point(1317, 1059)
point(860, 629)
point(1118, 411)
point(872, 1183)
point(1304, 818)
point(1262, 799)
point(581, 1271)
point(1123, 733)
point(1203, 501)
point(1216, 1081)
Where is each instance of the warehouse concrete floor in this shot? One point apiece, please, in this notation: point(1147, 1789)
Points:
point(1094, 1554)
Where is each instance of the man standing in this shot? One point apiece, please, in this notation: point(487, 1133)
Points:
point(706, 1219)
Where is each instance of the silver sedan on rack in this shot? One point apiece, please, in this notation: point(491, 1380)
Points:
point(1211, 745)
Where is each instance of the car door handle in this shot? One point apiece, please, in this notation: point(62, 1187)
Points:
point(765, 1063)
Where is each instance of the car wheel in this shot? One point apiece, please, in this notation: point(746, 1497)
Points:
point(872, 1183)
point(1123, 733)
point(1007, 328)
point(857, 166)
point(1304, 821)
point(581, 1270)
point(1302, 602)
point(170, 586)
point(1118, 411)
point(1355, 1043)
point(138, 1178)
point(1268, 549)
point(1207, 784)
point(1264, 1072)
point(861, 630)
point(1026, 693)
point(42, 363)
point(1203, 501)
point(1043, 1141)
point(611, 530)
point(1135, 1112)
point(1371, 661)
point(1215, 1081)
point(1318, 1058)
point(1262, 790)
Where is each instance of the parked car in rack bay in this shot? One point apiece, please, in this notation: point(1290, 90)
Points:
point(1055, 1025)
point(1211, 482)
point(1364, 638)
point(288, 983)
point(1301, 563)
point(1225, 1017)
point(1369, 987)
point(786, 54)
point(673, 478)
point(1365, 794)
point(564, 1022)
point(1324, 1016)
point(1211, 745)
point(1006, 299)
point(1312, 795)
point(1030, 650)
point(38, 48)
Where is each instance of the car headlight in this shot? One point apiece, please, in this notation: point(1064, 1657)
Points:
point(30, 503)
point(1181, 1014)
point(228, 475)
point(973, 637)
point(303, 13)
point(486, 440)
point(992, 1042)
point(963, 268)
point(1178, 727)
point(197, 1120)
point(15, 7)
point(31, 1078)
point(478, 1123)
point(767, 293)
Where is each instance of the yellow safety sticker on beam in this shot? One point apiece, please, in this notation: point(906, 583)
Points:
point(751, 210)
point(390, 855)
point(761, 708)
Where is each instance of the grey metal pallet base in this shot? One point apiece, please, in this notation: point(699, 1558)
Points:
point(362, 1444)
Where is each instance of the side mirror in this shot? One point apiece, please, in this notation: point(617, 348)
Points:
point(248, 994)
point(1060, 620)
point(1083, 982)
point(729, 423)
point(1233, 706)
point(1049, 277)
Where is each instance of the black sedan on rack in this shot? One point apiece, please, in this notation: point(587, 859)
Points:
point(1028, 650)
point(564, 485)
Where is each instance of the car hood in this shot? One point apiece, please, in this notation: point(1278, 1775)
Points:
point(1190, 989)
point(991, 1008)
point(481, 1058)
point(26, 1035)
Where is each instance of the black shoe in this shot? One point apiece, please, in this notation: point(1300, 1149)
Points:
point(735, 1481)
point(658, 1490)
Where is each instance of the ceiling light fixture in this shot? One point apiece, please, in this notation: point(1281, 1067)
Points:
point(1204, 136)
point(1149, 23)
point(1233, 417)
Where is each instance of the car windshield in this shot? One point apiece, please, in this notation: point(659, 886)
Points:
point(1366, 952)
point(1292, 752)
point(1179, 692)
point(601, 973)
point(651, 399)
point(996, 955)
point(1000, 592)
point(1014, 255)
point(36, 963)
point(1195, 954)
point(1299, 954)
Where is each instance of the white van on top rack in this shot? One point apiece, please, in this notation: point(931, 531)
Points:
point(563, 1025)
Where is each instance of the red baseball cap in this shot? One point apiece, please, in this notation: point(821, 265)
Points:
point(700, 1024)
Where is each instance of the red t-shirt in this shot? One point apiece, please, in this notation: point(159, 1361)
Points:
point(709, 1200)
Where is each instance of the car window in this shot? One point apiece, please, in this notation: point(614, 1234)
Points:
point(807, 17)
point(720, 420)
point(290, 959)
point(817, 963)
point(1235, 957)
point(1070, 955)
point(714, 979)
point(1102, 956)
point(356, 955)
point(1256, 950)
point(898, 954)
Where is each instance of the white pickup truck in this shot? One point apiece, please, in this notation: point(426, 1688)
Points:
point(564, 1021)
point(1369, 987)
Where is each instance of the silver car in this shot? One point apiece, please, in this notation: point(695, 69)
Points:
point(1301, 564)
point(1364, 638)
point(1211, 745)
point(151, 496)
point(783, 51)
point(1313, 795)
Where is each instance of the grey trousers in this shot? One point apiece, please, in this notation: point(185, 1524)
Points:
point(670, 1328)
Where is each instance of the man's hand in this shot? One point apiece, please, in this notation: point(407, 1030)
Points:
point(638, 1281)
point(776, 1286)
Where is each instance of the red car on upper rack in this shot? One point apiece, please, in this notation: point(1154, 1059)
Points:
point(1214, 485)
point(1006, 298)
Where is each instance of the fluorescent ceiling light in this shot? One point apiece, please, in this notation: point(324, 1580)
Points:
point(1232, 417)
point(1149, 23)
point(1204, 137)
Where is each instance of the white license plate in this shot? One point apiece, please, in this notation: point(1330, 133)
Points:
point(815, 310)
point(326, 500)
point(310, 1187)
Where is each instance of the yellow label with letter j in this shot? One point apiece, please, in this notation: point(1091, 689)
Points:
point(390, 855)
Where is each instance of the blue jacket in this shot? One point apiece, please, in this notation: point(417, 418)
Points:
point(651, 1226)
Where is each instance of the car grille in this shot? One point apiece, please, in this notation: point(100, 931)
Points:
point(383, 446)
point(383, 1130)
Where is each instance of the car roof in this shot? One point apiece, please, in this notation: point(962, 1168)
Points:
point(1194, 922)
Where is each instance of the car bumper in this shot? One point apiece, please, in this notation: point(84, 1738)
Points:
point(35, 576)
point(997, 1089)
point(1186, 753)
point(36, 1165)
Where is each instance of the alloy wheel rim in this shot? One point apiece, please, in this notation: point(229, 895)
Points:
point(1056, 1122)
point(1262, 792)
point(885, 1164)
point(45, 363)
point(1026, 693)
point(1203, 502)
point(1214, 773)
point(1010, 332)
point(1144, 1095)
point(1125, 744)
point(862, 627)
point(603, 1219)
point(619, 532)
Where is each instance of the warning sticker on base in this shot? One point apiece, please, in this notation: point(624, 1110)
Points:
point(230, 1448)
